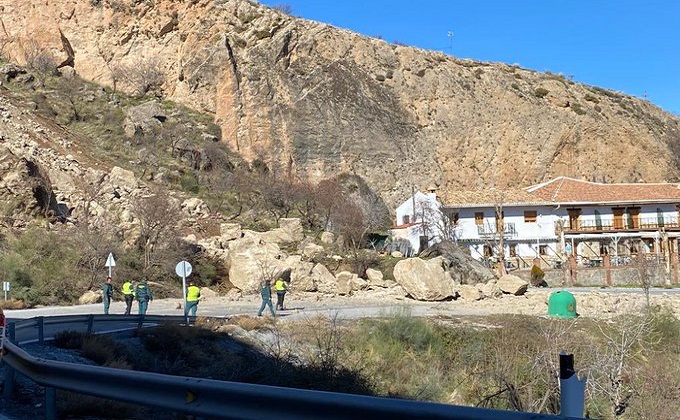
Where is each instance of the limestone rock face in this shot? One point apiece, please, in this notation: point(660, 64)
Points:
point(512, 285)
point(424, 279)
point(25, 188)
point(323, 100)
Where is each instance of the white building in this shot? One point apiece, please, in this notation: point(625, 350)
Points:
point(561, 217)
point(420, 221)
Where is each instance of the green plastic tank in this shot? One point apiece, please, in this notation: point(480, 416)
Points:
point(562, 304)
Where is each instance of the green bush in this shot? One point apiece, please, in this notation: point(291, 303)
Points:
point(541, 92)
point(189, 182)
point(578, 109)
point(591, 98)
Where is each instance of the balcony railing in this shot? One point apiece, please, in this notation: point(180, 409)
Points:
point(488, 231)
point(643, 223)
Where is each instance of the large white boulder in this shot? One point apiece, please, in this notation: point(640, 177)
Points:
point(289, 230)
point(469, 292)
point(301, 277)
point(90, 297)
point(512, 285)
point(424, 279)
point(250, 261)
point(325, 280)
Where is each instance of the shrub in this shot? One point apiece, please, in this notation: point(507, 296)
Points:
point(537, 276)
point(541, 92)
point(103, 349)
point(189, 182)
point(591, 98)
point(577, 108)
point(69, 340)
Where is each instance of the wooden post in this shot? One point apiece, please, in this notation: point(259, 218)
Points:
point(572, 270)
point(606, 263)
point(674, 261)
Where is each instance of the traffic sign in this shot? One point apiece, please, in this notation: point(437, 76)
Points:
point(183, 269)
point(110, 262)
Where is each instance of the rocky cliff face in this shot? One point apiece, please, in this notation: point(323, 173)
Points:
point(321, 100)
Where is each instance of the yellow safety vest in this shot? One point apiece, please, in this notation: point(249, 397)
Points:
point(127, 288)
point(280, 285)
point(193, 293)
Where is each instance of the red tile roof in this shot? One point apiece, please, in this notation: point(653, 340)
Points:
point(565, 190)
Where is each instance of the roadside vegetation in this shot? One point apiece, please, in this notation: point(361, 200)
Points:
point(506, 363)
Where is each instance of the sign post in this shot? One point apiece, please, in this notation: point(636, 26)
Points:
point(5, 288)
point(110, 262)
point(183, 269)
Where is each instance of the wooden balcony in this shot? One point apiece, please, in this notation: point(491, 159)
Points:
point(650, 224)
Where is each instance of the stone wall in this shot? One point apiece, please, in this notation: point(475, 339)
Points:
point(597, 276)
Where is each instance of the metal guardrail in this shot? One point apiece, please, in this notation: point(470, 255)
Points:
point(220, 399)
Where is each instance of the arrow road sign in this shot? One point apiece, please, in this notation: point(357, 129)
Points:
point(110, 262)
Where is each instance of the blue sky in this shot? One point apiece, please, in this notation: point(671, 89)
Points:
point(623, 45)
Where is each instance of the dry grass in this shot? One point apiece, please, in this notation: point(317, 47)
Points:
point(250, 323)
point(12, 304)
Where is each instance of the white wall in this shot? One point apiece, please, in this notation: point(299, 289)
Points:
point(427, 210)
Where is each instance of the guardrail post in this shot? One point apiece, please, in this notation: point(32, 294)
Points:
point(11, 332)
point(8, 387)
point(572, 389)
point(50, 403)
point(90, 324)
point(41, 329)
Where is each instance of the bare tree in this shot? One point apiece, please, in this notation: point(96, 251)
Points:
point(143, 77)
point(626, 339)
point(352, 225)
point(157, 217)
point(283, 8)
point(38, 57)
point(328, 194)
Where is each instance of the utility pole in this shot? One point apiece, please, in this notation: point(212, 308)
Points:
point(449, 35)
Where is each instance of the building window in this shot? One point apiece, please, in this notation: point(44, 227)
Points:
point(543, 250)
point(530, 216)
point(479, 218)
point(454, 218)
point(488, 252)
point(406, 219)
point(513, 250)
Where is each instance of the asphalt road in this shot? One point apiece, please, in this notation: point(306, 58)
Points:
point(301, 305)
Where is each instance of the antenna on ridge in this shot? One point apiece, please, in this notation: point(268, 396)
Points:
point(449, 35)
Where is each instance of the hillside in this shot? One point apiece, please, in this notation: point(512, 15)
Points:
point(318, 100)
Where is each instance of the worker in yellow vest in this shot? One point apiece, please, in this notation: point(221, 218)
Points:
point(129, 295)
point(193, 296)
point(280, 287)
